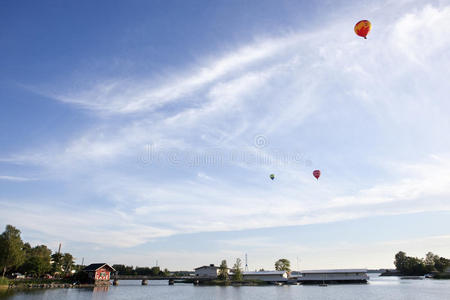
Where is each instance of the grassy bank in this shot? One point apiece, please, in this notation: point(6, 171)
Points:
point(4, 281)
point(36, 281)
point(40, 282)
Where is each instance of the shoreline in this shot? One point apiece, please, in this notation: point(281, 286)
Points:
point(54, 285)
point(27, 286)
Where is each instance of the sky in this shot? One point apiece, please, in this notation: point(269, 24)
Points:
point(138, 132)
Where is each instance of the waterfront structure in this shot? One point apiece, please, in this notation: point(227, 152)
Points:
point(210, 271)
point(334, 276)
point(99, 273)
point(267, 276)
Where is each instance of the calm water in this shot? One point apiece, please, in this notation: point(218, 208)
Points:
point(378, 288)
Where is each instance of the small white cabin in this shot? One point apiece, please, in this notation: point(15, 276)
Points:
point(210, 271)
point(337, 276)
point(267, 276)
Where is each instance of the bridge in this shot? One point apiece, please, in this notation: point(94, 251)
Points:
point(171, 279)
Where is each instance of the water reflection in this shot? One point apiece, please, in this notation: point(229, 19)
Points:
point(5, 293)
point(378, 288)
point(100, 289)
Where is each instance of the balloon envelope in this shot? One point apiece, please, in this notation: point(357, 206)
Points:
point(272, 176)
point(316, 173)
point(362, 28)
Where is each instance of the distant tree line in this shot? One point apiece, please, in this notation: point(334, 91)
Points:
point(17, 256)
point(408, 265)
point(146, 271)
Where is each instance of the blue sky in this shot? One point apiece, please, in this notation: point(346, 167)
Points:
point(146, 130)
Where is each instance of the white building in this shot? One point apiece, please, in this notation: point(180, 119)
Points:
point(210, 271)
point(267, 276)
point(337, 276)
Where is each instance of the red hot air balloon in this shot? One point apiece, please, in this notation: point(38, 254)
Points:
point(316, 173)
point(362, 28)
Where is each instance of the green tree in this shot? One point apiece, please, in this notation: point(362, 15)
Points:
point(126, 270)
point(77, 268)
point(26, 248)
point(283, 264)
point(143, 270)
point(37, 261)
point(237, 270)
point(11, 249)
point(120, 269)
point(400, 260)
point(223, 271)
point(56, 259)
point(408, 265)
point(155, 271)
point(129, 270)
point(67, 262)
point(415, 266)
point(430, 258)
point(441, 263)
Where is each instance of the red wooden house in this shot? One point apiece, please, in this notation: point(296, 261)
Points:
point(99, 273)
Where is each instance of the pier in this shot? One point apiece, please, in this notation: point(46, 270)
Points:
point(171, 279)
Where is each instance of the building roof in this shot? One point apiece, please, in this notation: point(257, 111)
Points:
point(334, 271)
point(207, 267)
point(211, 266)
point(265, 273)
point(95, 267)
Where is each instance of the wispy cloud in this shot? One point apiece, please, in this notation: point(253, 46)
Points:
point(135, 95)
point(15, 178)
point(419, 28)
point(55, 222)
point(348, 105)
point(415, 181)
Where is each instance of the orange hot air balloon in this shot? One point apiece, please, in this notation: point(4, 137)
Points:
point(316, 174)
point(362, 28)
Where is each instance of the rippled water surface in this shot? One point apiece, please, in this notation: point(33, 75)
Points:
point(378, 288)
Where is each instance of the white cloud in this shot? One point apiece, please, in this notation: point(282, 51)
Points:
point(415, 181)
point(80, 225)
point(322, 91)
point(15, 178)
point(208, 204)
point(421, 35)
point(129, 96)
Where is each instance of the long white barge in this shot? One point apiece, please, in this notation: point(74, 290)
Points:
point(333, 276)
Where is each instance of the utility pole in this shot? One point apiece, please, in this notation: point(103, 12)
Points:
point(246, 263)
